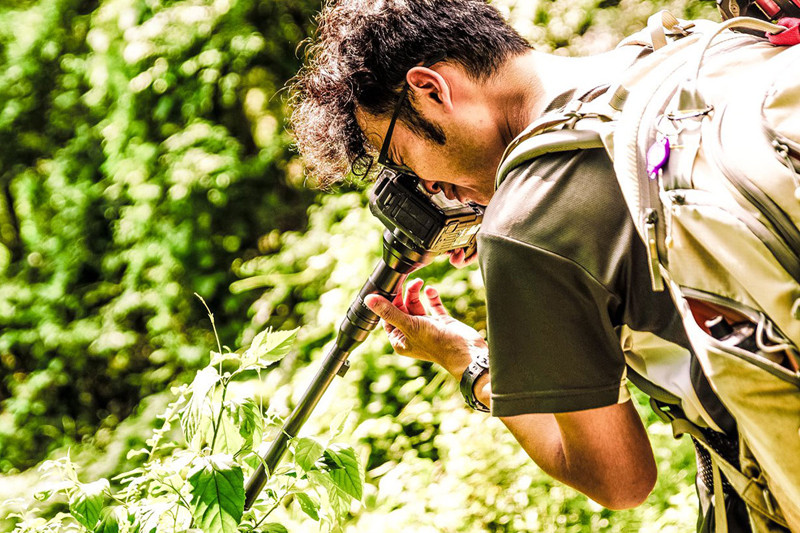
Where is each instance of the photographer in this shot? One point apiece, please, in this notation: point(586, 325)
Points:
point(439, 89)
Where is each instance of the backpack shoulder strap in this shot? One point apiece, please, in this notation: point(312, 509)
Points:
point(529, 146)
point(578, 124)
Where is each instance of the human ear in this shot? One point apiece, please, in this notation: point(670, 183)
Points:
point(431, 86)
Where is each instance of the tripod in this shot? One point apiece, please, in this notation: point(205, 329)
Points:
point(400, 257)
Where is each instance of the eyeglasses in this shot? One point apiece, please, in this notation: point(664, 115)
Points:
point(383, 156)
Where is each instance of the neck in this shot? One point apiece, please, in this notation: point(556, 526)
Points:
point(526, 84)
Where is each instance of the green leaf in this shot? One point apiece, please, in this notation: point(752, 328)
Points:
point(274, 527)
point(228, 438)
point(309, 506)
point(114, 519)
point(217, 494)
point(150, 516)
point(108, 524)
point(217, 358)
point(195, 411)
point(86, 502)
point(268, 347)
point(331, 461)
point(348, 478)
point(307, 452)
point(248, 418)
point(339, 500)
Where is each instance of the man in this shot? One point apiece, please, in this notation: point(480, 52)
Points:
point(440, 89)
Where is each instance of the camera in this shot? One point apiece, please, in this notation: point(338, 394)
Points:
point(431, 222)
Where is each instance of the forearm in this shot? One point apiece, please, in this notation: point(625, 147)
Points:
point(559, 445)
point(603, 453)
point(539, 435)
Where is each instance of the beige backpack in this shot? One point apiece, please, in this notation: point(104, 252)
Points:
point(705, 137)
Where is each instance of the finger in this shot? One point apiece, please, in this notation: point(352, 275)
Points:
point(437, 307)
point(397, 301)
point(472, 257)
point(388, 312)
point(457, 257)
point(398, 298)
point(412, 302)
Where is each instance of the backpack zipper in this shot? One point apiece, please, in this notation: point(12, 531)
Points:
point(786, 150)
point(649, 201)
point(777, 246)
point(781, 223)
point(754, 316)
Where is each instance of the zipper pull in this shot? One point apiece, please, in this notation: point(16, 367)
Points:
point(657, 156)
point(783, 152)
point(650, 221)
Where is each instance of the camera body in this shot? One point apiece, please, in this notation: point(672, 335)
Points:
point(431, 222)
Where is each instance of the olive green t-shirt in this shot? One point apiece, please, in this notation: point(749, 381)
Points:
point(569, 300)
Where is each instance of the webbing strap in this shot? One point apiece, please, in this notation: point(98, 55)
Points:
point(756, 496)
point(657, 26)
point(545, 143)
point(721, 518)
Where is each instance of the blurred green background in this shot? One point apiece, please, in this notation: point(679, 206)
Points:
point(143, 159)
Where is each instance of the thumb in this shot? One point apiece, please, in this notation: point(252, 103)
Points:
point(388, 312)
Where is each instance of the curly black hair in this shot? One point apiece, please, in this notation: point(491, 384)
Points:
point(359, 57)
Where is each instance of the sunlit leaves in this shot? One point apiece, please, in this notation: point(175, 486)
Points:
point(86, 502)
point(338, 472)
point(268, 347)
point(217, 494)
point(309, 506)
point(115, 520)
point(348, 476)
point(247, 416)
point(307, 452)
point(273, 527)
point(198, 410)
point(229, 438)
point(134, 175)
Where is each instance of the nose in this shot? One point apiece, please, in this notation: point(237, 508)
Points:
point(432, 187)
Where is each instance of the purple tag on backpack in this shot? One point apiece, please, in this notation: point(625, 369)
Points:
point(657, 156)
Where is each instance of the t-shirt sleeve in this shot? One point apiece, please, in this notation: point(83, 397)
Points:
point(552, 345)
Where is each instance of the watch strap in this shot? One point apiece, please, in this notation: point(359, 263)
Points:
point(478, 367)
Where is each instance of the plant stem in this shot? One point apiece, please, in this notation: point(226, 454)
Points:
point(275, 506)
point(219, 417)
point(182, 501)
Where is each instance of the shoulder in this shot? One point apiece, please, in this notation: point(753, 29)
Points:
point(565, 203)
point(551, 185)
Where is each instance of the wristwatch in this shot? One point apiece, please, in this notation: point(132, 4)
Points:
point(478, 367)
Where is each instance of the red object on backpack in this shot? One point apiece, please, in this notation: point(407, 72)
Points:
point(788, 37)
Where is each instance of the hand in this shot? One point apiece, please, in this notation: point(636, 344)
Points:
point(460, 259)
point(436, 337)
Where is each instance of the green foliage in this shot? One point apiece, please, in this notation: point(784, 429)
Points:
point(199, 482)
point(86, 502)
point(143, 153)
point(217, 491)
